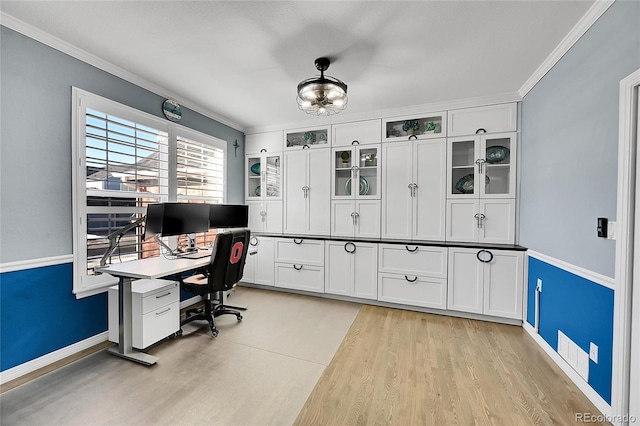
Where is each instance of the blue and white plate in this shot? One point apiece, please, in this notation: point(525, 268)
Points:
point(364, 186)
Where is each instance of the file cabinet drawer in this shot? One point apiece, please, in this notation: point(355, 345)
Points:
point(300, 251)
point(156, 325)
point(161, 297)
point(413, 290)
point(300, 277)
point(413, 260)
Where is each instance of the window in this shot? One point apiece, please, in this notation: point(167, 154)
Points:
point(125, 159)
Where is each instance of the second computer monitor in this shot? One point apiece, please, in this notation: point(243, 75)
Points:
point(228, 216)
point(169, 219)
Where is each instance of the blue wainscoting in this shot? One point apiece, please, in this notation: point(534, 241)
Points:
point(582, 309)
point(39, 313)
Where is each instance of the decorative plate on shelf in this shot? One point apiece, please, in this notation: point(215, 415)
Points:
point(255, 169)
point(257, 191)
point(364, 186)
point(497, 154)
point(465, 184)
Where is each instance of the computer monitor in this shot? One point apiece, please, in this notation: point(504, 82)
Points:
point(228, 216)
point(169, 219)
point(184, 218)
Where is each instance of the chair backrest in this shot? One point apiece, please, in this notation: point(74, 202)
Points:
point(228, 258)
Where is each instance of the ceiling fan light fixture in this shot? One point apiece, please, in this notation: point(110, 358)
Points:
point(324, 95)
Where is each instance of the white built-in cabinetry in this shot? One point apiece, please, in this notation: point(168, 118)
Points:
point(258, 268)
point(155, 311)
point(351, 269)
point(390, 210)
point(299, 264)
point(487, 282)
point(355, 180)
point(413, 275)
point(413, 190)
point(263, 181)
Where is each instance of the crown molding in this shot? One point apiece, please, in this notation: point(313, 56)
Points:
point(589, 18)
point(392, 112)
point(75, 52)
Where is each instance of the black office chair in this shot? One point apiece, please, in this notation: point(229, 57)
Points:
point(223, 273)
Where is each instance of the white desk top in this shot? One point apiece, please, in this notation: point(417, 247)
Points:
point(153, 267)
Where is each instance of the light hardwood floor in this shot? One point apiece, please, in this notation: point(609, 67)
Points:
point(407, 368)
point(351, 364)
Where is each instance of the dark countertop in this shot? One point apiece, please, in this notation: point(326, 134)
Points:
point(514, 247)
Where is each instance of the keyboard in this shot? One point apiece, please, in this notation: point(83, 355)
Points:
point(195, 254)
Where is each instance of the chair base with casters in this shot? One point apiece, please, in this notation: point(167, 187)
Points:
point(209, 311)
point(224, 271)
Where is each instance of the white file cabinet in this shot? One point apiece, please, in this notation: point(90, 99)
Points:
point(155, 311)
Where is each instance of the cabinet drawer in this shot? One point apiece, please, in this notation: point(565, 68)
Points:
point(164, 296)
point(492, 118)
point(300, 277)
point(413, 260)
point(413, 290)
point(156, 325)
point(363, 132)
point(300, 251)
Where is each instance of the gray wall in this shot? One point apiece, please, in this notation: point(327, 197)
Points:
point(569, 143)
point(35, 138)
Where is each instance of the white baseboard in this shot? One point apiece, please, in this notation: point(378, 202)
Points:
point(601, 404)
point(50, 358)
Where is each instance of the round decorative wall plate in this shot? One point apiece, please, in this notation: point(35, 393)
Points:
point(171, 110)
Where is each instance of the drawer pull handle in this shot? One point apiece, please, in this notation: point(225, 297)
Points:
point(163, 312)
point(481, 130)
point(355, 142)
point(163, 295)
point(305, 146)
point(412, 137)
point(253, 241)
point(484, 256)
point(411, 281)
point(411, 251)
point(296, 268)
point(295, 240)
point(349, 244)
point(263, 150)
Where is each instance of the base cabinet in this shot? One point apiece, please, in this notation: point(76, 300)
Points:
point(155, 311)
point(413, 290)
point(299, 264)
point(488, 282)
point(258, 268)
point(351, 269)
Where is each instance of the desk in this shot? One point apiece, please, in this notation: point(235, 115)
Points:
point(153, 267)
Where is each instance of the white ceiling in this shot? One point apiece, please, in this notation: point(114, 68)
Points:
point(241, 61)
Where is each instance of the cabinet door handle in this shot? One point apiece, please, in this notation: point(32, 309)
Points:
point(484, 256)
point(410, 186)
point(263, 150)
point(163, 295)
point(296, 268)
point(480, 162)
point(481, 130)
point(481, 220)
point(350, 244)
point(253, 241)
point(263, 213)
point(355, 142)
point(415, 186)
point(413, 136)
point(411, 281)
point(295, 240)
point(411, 251)
point(163, 312)
point(477, 216)
point(305, 189)
point(353, 217)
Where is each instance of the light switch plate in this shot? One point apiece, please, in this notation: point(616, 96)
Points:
point(593, 352)
point(611, 230)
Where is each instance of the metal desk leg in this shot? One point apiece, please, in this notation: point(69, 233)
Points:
point(124, 348)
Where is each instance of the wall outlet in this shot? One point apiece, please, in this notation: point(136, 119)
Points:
point(574, 355)
point(539, 286)
point(593, 352)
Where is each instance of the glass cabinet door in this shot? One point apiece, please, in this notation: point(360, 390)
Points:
point(272, 176)
point(356, 164)
point(462, 167)
point(254, 177)
point(497, 167)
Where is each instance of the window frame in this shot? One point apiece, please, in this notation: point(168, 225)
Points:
point(84, 284)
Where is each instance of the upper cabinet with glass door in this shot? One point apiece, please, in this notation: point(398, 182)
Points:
point(423, 126)
point(317, 137)
point(263, 176)
point(482, 166)
point(356, 163)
